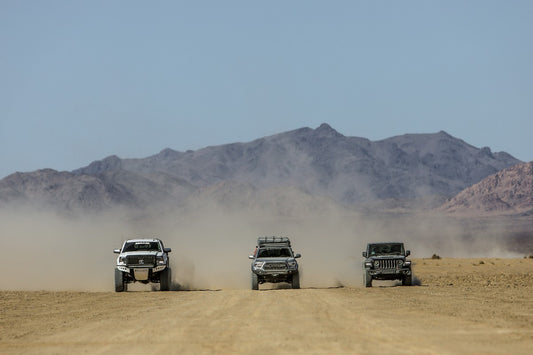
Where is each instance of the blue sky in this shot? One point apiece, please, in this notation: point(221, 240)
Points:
point(83, 80)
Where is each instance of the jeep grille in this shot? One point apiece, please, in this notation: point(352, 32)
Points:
point(140, 260)
point(275, 266)
point(388, 263)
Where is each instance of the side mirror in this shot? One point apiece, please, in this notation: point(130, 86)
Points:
point(167, 250)
point(250, 257)
point(116, 251)
point(296, 256)
point(407, 252)
point(364, 254)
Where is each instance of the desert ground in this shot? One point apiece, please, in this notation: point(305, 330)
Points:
point(460, 306)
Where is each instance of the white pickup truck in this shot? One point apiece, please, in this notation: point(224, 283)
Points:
point(142, 260)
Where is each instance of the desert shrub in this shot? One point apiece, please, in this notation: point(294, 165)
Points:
point(435, 256)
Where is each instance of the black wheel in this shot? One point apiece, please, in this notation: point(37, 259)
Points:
point(255, 282)
point(407, 280)
point(120, 285)
point(367, 279)
point(165, 279)
point(296, 281)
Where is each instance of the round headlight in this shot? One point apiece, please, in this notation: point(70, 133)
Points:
point(376, 263)
point(400, 262)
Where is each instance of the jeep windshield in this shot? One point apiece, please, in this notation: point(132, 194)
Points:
point(385, 249)
point(141, 246)
point(274, 253)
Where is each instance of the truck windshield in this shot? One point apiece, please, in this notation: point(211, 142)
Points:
point(141, 246)
point(274, 253)
point(386, 249)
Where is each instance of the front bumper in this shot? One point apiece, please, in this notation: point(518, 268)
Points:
point(275, 276)
point(387, 272)
point(274, 272)
point(141, 273)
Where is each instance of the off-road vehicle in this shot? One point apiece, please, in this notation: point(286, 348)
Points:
point(274, 261)
point(386, 261)
point(142, 260)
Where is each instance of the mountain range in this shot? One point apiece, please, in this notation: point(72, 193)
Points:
point(315, 165)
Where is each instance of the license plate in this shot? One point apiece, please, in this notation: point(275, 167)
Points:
point(141, 274)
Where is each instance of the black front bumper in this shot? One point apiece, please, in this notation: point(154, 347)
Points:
point(389, 274)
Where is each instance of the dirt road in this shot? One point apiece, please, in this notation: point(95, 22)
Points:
point(462, 306)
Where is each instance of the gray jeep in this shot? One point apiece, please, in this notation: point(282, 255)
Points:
point(142, 260)
point(274, 261)
point(386, 261)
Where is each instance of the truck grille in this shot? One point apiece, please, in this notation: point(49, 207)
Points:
point(388, 263)
point(140, 260)
point(275, 266)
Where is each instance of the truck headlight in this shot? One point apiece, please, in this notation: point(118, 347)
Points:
point(122, 259)
point(160, 260)
point(376, 263)
point(258, 265)
point(400, 263)
point(292, 264)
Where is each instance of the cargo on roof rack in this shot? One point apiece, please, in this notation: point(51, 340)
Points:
point(273, 240)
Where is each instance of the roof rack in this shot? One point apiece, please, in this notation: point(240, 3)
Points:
point(273, 240)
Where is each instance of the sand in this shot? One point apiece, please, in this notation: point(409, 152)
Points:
point(467, 306)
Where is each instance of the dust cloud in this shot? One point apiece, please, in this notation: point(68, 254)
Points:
point(44, 250)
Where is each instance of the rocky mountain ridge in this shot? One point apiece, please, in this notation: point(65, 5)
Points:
point(317, 162)
point(509, 191)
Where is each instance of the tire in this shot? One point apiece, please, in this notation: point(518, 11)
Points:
point(407, 280)
point(120, 285)
point(165, 279)
point(255, 282)
point(367, 279)
point(296, 281)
